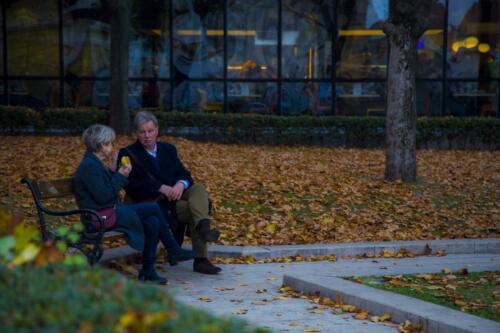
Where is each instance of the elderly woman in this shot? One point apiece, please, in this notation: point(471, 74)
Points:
point(96, 187)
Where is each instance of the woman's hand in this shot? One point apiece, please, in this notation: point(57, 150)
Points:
point(112, 160)
point(125, 169)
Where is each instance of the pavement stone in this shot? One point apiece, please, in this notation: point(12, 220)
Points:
point(435, 318)
point(451, 246)
point(237, 288)
point(254, 287)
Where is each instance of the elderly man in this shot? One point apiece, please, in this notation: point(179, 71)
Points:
point(158, 174)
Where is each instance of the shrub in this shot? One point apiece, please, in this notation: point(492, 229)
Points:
point(435, 132)
point(44, 291)
point(61, 298)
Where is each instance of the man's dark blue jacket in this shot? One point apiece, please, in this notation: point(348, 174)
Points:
point(166, 169)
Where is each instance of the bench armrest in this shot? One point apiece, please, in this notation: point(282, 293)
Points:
point(101, 228)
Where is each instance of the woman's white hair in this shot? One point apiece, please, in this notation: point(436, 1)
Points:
point(96, 136)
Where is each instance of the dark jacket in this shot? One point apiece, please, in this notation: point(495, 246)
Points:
point(97, 187)
point(142, 186)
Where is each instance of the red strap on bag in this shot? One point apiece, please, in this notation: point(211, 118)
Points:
point(109, 217)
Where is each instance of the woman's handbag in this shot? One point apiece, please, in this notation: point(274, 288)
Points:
point(109, 217)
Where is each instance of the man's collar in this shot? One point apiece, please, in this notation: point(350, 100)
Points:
point(152, 152)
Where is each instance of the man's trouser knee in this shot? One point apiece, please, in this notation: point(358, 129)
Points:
point(191, 209)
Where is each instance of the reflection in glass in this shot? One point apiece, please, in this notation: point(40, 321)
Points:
point(430, 44)
point(474, 39)
point(473, 99)
point(306, 39)
point(198, 39)
point(252, 38)
point(306, 98)
point(34, 93)
point(3, 97)
point(33, 37)
point(361, 47)
point(149, 54)
point(250, 97)
point(86, 33)
point(149, 94)
point(87, 93)
point(429, 97)
point(361, 99)
point(199, 97)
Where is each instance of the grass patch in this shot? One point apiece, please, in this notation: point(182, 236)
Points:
point(474, 293)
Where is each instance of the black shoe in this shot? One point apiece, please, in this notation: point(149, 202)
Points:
point(202, 265)
point(181, 255)
point(151, 276)
point(207, 234)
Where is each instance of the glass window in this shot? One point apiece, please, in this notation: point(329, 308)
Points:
point(33, 37)
point(473, 99)
point(86, 34)
point(361, 47)
point(34, 93)
point(198, 39)
point(87, 93)
point(306, 98)
point(251, 97)
point(1, 42)
point(252, 38)
point(199, 97)
point(429, 98)
point(149, 94)
point(149, 48)
point(430, 44)
point(307, 39)
point(474, 39)
point(361, 99)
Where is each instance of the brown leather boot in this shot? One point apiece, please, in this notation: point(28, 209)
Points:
point(207, 234)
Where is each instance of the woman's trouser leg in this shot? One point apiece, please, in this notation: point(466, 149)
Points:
point(148, 209)
point(151, 226)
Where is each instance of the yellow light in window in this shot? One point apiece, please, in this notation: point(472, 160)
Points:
point(456, 46)
point(379, 32)
point(471, 42)
point(361, 32)
point(235, 68)
point(483, 47)
point(263, 67)
point(248, 33)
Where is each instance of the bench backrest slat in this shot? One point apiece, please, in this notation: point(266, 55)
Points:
point(55, 188)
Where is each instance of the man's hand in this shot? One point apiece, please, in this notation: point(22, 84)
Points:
point(177, 191)
point(172, 193)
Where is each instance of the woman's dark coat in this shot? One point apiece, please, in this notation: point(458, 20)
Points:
point(97, 187)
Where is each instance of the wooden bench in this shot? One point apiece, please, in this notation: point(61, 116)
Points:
point(90, 240)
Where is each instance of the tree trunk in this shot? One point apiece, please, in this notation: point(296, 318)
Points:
point(120, 27)
point(408, 20)
point(400, 125)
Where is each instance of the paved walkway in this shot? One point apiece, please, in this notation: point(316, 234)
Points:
point(249, 291)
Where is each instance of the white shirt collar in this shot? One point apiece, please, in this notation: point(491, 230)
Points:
point(153, 152)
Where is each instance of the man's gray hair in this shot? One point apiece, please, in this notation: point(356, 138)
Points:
point(96, 136)
point(143, 117)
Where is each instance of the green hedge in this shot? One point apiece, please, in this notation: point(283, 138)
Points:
point(74, 299)
point(435, 132)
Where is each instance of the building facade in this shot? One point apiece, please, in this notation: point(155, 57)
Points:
point(279, 57)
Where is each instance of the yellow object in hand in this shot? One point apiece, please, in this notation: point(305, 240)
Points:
point(125, 160)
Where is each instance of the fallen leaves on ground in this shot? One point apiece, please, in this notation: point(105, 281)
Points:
point(293, 195)
point(338, 307)
point(476, 293)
